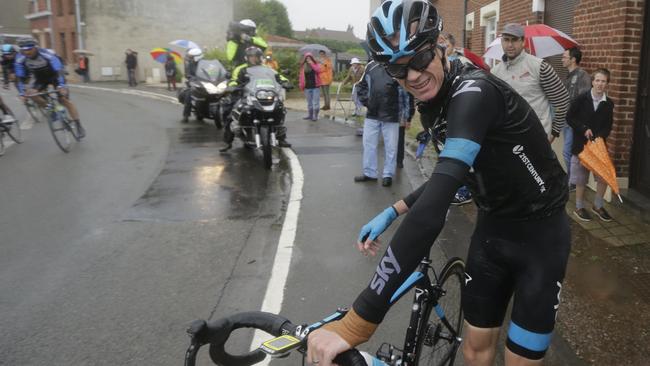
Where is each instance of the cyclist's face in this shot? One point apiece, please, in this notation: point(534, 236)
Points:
point(29, 52)
point(425, 84)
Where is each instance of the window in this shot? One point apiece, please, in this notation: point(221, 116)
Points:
point(490, 33)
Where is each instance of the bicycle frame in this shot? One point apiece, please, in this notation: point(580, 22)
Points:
point(425, 300)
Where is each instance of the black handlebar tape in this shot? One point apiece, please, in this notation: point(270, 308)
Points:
point(217, 333)
point(350, 358)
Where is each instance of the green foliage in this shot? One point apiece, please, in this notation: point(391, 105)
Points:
point(288, 60)
point(217, 54)
point(271, 15)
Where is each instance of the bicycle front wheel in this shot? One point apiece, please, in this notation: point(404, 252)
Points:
point(444, 327)
point(61, 131)
point(14, 131)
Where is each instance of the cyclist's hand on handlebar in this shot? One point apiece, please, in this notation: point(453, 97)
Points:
point(323, 346)
point(371, 231)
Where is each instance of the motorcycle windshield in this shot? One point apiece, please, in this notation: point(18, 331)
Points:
point(261, 77)
point(211, 70)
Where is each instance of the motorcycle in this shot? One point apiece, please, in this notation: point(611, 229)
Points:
point(204, 91)
point(258, 116)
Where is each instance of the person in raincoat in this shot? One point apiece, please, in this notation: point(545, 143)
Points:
point(240, 36)
point(310, 82)
point(591, 115)
point(326, 76)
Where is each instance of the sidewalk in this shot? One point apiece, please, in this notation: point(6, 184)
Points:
point(605, 311)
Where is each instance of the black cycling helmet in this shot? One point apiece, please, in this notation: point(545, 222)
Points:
point(395, 16)
point(26, 43)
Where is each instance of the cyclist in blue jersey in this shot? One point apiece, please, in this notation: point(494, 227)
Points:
point(494, 143)
point(45, 69)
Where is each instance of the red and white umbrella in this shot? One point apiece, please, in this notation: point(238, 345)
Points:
point(540, 39)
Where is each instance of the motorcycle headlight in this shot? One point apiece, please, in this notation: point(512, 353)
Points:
point(221, 88)
point(210, 88)
point(265, 95)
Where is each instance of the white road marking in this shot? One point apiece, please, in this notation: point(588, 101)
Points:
point(275, 289)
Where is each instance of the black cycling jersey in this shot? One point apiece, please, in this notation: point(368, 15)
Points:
point(496, 144)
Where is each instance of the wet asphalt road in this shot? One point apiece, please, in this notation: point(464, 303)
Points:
point(107, 253)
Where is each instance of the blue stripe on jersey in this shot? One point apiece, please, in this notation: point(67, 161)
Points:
point(529, 340)
point(461, 149)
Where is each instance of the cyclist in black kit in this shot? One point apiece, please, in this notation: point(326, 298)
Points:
point(496, 144)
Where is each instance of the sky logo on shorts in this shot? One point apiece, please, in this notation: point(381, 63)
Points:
point(519, 151)
point(386, 267)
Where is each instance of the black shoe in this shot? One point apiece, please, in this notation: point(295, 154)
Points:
point(400, 165)
point(283, 143)
point(81, 132)
point(185, 120)
point(582, 214)
point(602, 214)
point(387, 182)
point(461, 198)
point(226, 148)
point(364, 178)
point(325, 108)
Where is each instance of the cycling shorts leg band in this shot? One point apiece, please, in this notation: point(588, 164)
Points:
point(525, 343)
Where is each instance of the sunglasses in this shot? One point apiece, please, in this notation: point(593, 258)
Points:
point(418, 62)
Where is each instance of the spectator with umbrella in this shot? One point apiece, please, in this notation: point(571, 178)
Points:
point(170, 72)
point(591, 115)
point(310, 82)
point(534, 79)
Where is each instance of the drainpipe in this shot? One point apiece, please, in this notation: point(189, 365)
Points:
point(464, 23)
point(49, 8)
point(77, 10)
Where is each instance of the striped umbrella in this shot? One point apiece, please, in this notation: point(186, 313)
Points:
point(540, 39)
point(160, 54)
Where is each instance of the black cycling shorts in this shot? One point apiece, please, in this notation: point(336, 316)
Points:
point(526, 259)
point(41, 85)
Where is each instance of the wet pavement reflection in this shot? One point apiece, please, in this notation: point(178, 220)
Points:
point(198, 183)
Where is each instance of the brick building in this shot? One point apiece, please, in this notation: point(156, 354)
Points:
point(611, 35)
point(54, 25)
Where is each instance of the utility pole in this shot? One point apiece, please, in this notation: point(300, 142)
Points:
point(77, 10)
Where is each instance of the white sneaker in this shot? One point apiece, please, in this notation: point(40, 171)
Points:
point(7, 118)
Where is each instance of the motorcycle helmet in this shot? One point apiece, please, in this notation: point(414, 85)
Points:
point(248, 24)
point(254, 51)
point(196, 54)
point(397, 16)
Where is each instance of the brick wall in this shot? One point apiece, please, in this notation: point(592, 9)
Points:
point(454, 19)
point(518, 11)
point(610, 34)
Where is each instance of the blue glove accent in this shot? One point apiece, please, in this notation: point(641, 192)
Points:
point(378, 225)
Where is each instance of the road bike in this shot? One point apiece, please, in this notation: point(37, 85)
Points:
point(64, 131)
point(433, 336)
point(10, 126)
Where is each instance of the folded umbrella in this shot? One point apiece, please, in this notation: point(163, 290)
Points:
point(595, 157)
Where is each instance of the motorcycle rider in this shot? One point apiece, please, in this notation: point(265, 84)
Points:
point(240, 37)
point(8, 60)
point(194, 55)
point(239, 79)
